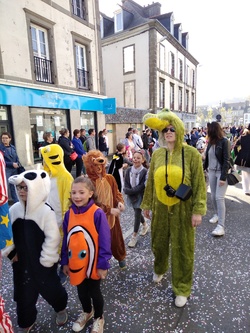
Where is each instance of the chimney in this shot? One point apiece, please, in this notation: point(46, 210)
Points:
point(153, 10)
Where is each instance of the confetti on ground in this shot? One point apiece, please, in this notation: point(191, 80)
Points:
point(220, 299)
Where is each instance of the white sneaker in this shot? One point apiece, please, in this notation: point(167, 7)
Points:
point(133, 241)
point(218, 231)
point(180, 301)
point(144, 229)
point(157, 277)
point(214, 219)
point(82, 320)
point(98, 325)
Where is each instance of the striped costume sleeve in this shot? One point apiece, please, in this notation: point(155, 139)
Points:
point(3, 183)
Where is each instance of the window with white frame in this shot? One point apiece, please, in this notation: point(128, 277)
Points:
point(172, 64)
point(79, 8)
point(193, 103)
point(40, 46)
point(171, 96)
point(180, 98)
point(172, 24)
point(180, 70)
point(118, 21)
point(162, 57)
point(129, 94)
point(187, 74)
point(101, 26)
point(162, 93)
point(129, 59)
point(187, 100)
point(81, 66)
point(193, 78)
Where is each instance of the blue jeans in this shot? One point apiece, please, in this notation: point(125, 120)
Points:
point(218, 195)
point(12, 190)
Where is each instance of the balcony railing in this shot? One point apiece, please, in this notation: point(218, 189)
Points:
point(43, 70)
point(83, 79)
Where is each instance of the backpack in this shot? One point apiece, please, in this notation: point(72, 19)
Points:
point(85, 146)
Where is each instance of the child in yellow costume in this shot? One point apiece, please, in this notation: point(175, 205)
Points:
point(61, 181)
point(173, 220)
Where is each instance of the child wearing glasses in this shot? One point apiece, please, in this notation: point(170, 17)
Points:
point(35, 256)
point(134, 186)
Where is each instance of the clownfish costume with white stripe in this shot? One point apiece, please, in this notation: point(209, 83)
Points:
point(86, 243)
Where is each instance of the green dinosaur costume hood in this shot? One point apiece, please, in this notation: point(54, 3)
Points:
point(163, 119)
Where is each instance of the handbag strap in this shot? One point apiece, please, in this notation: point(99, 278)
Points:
point(183, 165)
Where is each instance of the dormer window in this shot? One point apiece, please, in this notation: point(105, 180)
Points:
point(101, 26)
point(172, 24)
point(118, 21)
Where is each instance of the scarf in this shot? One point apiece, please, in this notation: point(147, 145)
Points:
point(134, 179)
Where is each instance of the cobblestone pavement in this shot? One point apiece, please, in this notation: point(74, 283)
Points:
point(220, 299)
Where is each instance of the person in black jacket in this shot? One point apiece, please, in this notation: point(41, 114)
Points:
point(242, 153)
point(102, 143)
point(145, 142)
point(217, 161)
point(67, 147)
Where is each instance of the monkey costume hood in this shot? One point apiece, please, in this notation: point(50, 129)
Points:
point(171, 217)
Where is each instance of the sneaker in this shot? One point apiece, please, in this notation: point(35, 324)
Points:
point(144, 229)
point(82, 320)
point(122, 264)
point(61, 317)
point(62, 276)
point(157, 277)
point(25, 330)
point(218, 231)
point(180, 301)
point(98, 325)
point(132, 242)
point(214, 219)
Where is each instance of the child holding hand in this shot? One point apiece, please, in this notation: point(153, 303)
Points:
point(86, 251)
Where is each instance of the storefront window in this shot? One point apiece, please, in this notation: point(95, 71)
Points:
point(4, 124)
point(87, 120)
point(45, 120)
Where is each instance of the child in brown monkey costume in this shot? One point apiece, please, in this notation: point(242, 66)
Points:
point(110, 198)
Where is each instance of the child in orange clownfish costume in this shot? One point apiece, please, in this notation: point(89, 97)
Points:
point(86, 251)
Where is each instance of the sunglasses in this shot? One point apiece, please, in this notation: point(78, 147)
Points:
point(20, 187)
point(171, 129)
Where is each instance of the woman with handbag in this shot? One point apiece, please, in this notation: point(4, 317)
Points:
point(174, 166)
point(217, 162)
point(78, 147)
point(68, 148)
point(11, 160)
point(242, 160)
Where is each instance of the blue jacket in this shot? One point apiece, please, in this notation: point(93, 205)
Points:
point(10, 155)
point(78, 147)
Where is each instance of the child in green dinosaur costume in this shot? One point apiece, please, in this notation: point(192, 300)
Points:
point(173, 220)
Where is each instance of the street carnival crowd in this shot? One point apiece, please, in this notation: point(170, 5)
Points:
point(53, 225)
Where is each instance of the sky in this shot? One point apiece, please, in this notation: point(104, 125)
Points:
point(219, 39)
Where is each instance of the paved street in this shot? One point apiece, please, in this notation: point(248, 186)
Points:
point(220, 300)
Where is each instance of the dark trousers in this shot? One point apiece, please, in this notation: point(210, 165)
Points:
point(68, 163)
point(91, 289)
point(79, 166)
point(139, 218)
point(28, 284)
